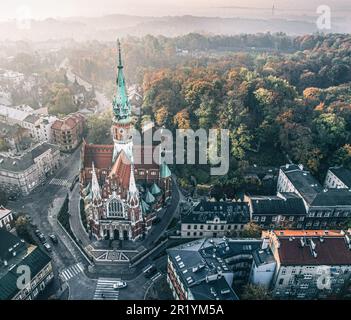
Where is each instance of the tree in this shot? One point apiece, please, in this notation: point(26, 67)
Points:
point(255, 292)
point(241, 141)
point(22, 227)
point(181, 119)
point(330, 130)
point(251, 230)
point(99, 127)
point(161, 116)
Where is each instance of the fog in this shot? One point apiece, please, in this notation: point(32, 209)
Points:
point(42, 9)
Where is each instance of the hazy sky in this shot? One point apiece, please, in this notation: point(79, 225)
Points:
point(40, 9)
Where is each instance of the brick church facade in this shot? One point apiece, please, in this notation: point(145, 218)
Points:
point(122, 195)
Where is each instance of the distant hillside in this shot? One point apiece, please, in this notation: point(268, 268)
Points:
point(109, 27)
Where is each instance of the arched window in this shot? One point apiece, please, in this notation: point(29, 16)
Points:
point(115, 209)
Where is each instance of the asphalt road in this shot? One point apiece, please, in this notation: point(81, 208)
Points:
point(41, 204)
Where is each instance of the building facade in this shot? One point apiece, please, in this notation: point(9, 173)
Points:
point(283, 210)
point(207, 219)
point(67, 133)
point(210, 269)
point(21, 174)
point(310, 264)
point(6, 219)
point(121, 192)
point(16, 253)
point(338, 178)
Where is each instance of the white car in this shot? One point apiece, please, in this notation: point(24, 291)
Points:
point(119, 285)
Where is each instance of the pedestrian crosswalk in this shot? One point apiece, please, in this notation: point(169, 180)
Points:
point(72, 271)
point(60, 182)
point(104, 289)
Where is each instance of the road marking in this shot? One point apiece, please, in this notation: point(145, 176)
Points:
point(72, 271)
point(60, 182)
point(156, 276)
point(104, 289)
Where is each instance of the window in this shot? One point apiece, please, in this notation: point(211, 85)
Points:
point(195, 234)
point(263, 219)
point(222, 227)
point(255, 218)
point(188, 233)
point(201, 227)
point(291, 218)
point(189, 226)
point(209, 227)
point(311, 214)
point(319, 214)
point(281, 281)
point(283, 272)
point(215, 228)
point(115, 209)
point(274, 219)
point(195, 226)
point(327, 214)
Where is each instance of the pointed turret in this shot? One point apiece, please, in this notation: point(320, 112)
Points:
point(165, 172)
point(145, 208)
point(149, 198)
point(121, 106)
point(133, 192)
point(95, 188)
point(155, 189)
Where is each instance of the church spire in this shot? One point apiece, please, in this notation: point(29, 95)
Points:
point(95, 188)
point(133, 192)
point(121, 106)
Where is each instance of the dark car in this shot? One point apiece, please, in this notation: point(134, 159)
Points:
point(42, 237)
point(53, 238)
point(157, 220)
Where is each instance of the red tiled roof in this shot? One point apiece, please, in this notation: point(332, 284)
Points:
point(332, 251)
point(308, 233)
point(101, 155)
point(121, 170)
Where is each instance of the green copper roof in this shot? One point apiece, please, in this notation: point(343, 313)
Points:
point(155, 189)
point(121, 107)
point(144, 207)
point(149, 198)
point(165, 172)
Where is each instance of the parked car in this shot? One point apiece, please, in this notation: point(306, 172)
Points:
point(37, 232)
point(53, 238)
point(157, 220)
point(119, 285)
point(47, 247)
point(41, 237)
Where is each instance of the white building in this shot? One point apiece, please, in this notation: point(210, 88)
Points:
point(310, 264)
point(21, 174)
point(38, 125)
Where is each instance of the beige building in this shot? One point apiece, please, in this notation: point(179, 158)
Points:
point(67, 133)
point(6, 219)
point(21, 174)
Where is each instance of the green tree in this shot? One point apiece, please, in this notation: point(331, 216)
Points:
point(99, 128)
point(255, 292)
point(251, 230)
